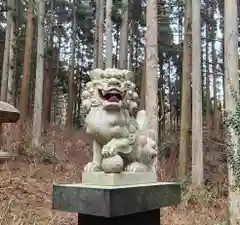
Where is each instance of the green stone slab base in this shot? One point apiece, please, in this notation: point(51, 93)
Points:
point(114, 201)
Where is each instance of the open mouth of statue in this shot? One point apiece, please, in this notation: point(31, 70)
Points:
point(111, 95)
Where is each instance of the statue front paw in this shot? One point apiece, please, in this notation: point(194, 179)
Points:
point(92, 167)
point(109, 150)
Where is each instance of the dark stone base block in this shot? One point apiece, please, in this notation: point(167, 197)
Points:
point(115, 201)
point(143, 218)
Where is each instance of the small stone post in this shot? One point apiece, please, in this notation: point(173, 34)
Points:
point(8, 114)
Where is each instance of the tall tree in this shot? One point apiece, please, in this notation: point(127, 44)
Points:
point(207, 63)
point(49, 73)
point(214, 66)
point(151, 67)
point(131, 43)
point(109, 41)
point(123, 52)
point(71, 72)
point(27, 64)
point(186, 90)
point(96, 35)
point(38, 99)
point(232, 98)
point(5, 68)
point(100, 30)
point(197, 138)
point(12, 62)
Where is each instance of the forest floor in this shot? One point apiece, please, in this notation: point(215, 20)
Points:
point(26, 186)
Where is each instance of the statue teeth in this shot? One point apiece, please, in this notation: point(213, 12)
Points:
point(111, 92)
point(104, 93)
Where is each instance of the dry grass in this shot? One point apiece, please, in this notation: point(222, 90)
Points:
point(26, 185)
point(197, 208)
point(25, 195)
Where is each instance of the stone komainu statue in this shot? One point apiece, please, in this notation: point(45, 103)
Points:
point(121, 141)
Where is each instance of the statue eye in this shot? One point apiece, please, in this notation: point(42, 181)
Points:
point(133, 86)
point(154, 146)
point(130, 92)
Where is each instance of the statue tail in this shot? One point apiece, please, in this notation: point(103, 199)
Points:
point(142, 120)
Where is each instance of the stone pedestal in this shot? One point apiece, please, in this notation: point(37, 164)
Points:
point(120, 204)
point(117, 179)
